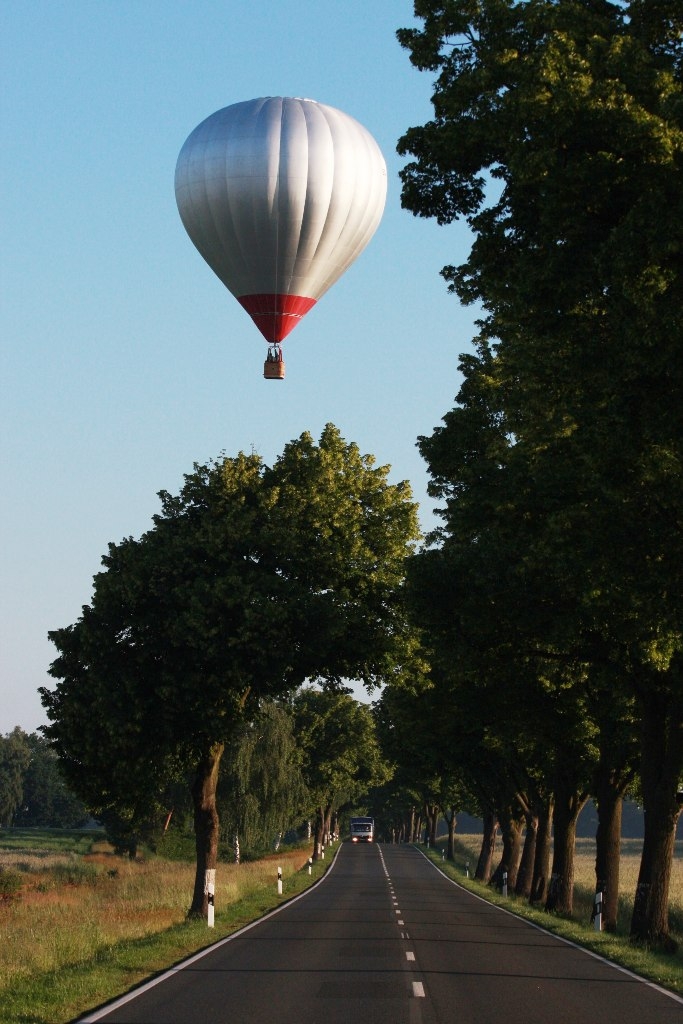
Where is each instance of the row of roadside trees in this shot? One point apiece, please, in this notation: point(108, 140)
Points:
point(552, 596)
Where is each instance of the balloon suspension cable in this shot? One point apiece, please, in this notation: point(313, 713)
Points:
point(274, 353)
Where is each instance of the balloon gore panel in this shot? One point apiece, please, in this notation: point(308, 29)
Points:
point(276, 315)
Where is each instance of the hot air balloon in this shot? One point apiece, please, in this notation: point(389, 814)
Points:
point(280, 195)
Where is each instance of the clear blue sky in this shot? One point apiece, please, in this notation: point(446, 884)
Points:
point(124, 360)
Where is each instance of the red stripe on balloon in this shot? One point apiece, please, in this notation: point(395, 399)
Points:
point(276, 315)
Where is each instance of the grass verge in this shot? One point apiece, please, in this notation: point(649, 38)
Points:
point(67, 946)
point(662, 968)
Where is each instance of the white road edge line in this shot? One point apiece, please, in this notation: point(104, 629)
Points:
point(560, 938)
point(90, 1018)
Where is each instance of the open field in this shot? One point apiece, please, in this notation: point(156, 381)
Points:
point(87, 925)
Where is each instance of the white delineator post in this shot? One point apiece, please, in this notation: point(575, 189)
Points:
point(310, 864)
point(505, 883)
point(210, 893)
point(597, 912)
point(279, 881)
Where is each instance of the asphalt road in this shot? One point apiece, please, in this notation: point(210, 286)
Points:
point(385, 938)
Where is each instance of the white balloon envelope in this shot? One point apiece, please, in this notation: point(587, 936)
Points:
point(280, 195)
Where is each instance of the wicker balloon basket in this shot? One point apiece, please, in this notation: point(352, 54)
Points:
point(274, 366)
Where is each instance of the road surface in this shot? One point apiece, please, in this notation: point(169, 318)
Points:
point(385, 938)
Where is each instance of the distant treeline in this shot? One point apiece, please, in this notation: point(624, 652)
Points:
point(32, 790)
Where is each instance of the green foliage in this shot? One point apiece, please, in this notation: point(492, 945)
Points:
point(47, 802)
point(341, 756)
point(14, 759)
point(558, 135)
point(261, 792)
point(252, 580)
point(176, 844)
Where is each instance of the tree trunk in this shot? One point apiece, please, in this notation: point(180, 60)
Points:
point(488, 846)
point(511, 833)
point(661, 764)
point(434, 825)
point(568, 805)
point(327, 825)
point(525, 875)
point(650, 921)
point(411, 826)
point(609, 801)
point(539, 885)
point(431, 817)
point(318, 833)
point(451, 821)
point(205, 829)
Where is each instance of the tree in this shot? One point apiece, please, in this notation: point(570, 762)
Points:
point(424, 735)
point(558, 135)
point(252, 580)
point(15, 755)
point(516, 694)
point(341, 756)
point(47, 802)
point(261, 792)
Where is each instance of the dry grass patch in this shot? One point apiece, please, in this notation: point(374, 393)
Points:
point(72, 907)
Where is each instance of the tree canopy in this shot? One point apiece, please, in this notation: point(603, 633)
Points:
point(558, 136)
point(253, 579)
point(340, 753)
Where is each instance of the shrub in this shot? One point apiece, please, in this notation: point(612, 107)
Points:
point(10, 883)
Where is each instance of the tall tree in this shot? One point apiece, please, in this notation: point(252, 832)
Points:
point(47, 802)
point(558, 135)
point(252, 579)
point(261, 792)
point(431, 743)
point(15, 754)
point(341, 756)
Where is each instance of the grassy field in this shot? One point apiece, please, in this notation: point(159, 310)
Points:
point(87, 925)
point(664, 969)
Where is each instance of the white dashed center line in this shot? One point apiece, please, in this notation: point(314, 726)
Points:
point(418, 987)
